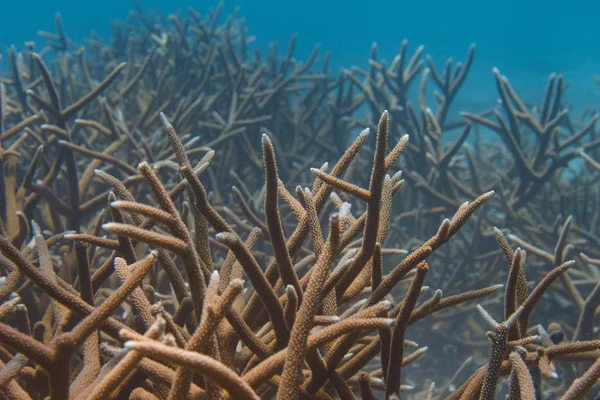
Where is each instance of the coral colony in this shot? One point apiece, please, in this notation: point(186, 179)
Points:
point(185, 218)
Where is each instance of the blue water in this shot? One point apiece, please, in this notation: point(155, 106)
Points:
point(526, 39)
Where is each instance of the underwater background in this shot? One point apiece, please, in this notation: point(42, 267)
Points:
point(526, 39)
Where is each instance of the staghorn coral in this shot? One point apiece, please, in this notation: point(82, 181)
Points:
point(131, 268)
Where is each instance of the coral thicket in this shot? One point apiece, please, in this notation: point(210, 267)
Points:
point(182, 217)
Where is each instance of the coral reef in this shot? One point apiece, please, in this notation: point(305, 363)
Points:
point(182, 217)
